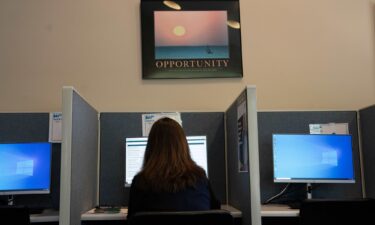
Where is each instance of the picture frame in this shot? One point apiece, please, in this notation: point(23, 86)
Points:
point(191, 39)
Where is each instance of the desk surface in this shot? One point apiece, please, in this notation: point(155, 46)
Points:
point(91, 215)
point(278, 210)
point(48, 215)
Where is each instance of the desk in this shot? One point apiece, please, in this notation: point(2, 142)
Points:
point(278, 210)
point(47, 216)
point(90, 217)
point(279, 214)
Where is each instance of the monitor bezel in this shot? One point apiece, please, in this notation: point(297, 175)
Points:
point(313, 180)
point(142, 139)
point(32, 191)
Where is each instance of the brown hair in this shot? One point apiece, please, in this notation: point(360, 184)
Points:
point(167, 164)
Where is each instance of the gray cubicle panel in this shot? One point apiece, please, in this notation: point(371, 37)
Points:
point(79, 158)
point(243, 185)
point(115, 127)
point(298, 122)
point(32, 127)
point(367, 118)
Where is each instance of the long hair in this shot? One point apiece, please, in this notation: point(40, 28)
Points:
point(167, 164)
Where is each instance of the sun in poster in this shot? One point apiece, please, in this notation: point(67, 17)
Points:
point(191, 35)
point(179, 30)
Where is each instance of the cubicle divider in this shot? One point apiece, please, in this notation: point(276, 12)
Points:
point(239, 162)
point(32, 127)
point(298, 122)
point(79, 158)
point(116, 127)
point(243, 157)
point(367, 120)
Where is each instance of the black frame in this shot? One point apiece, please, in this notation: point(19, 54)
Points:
point(229, 66)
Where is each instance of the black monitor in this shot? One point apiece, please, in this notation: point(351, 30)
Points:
point(313, 158)
point(25, 168)
point(135, 149)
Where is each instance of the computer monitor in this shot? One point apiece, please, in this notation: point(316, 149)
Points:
point(135, 149)
point(25, 168)
point(313, 158)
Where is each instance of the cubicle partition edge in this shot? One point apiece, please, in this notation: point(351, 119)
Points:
point(79, 157)
point(242, 139)
point(367, 120)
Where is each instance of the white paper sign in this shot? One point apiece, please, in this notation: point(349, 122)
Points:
point(329, 128)
point(55, 127)
point(149, 119)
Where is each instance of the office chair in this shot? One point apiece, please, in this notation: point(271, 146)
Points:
point(340, 212)
point(209, 217)
point(14, 215)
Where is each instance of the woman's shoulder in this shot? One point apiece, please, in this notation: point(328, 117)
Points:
point(202, 182)
point(136, 177)
point(136, 182)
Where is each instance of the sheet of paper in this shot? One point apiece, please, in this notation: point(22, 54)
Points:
point(329, 128)
point(149, 119)
point(55, 127)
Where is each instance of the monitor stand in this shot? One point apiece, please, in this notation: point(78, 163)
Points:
point(309, 191)
point(10, 200)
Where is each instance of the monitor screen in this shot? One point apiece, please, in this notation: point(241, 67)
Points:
point(135, 149)
point(25, 168)
point(312, 158)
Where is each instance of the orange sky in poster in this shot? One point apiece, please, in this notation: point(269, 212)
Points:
point(190, 28)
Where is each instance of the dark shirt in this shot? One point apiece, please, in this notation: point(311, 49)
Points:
point(198, 197)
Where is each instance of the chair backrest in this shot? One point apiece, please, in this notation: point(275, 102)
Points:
point(14, 215)
point(340, 212)
point(210, 217)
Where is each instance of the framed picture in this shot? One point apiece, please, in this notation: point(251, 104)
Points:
point(191, 39)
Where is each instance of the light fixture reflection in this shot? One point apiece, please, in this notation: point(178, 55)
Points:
point(172, 5)
point(234, 24)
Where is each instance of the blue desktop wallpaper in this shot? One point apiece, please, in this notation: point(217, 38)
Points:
point(25, 166)
point(320, 157)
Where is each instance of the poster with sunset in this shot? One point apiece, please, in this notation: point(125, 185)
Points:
point(190, 39)
point(191, 35)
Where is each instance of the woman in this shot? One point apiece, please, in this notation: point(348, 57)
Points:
point(169, 180)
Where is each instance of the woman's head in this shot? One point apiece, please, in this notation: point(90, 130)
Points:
point(167, 141)
point(167, 158)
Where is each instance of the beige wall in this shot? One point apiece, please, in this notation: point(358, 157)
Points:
point(301, 54)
